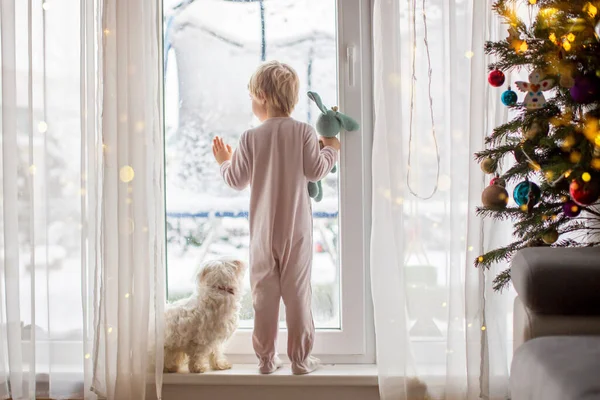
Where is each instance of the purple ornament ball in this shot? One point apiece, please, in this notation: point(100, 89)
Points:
point(571, 209)
point(586, 89)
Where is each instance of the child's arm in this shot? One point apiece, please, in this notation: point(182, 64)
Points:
point(235, 169)
point(317, 162)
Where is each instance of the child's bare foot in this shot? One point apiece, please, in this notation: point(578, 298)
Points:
point(309, 365)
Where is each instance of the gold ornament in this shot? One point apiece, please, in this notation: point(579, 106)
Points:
point(550, 237)
point(488, 166)
point(513, 34)
point(567, 81)
point(494, 197)
point(566, 76)
point(514, 39)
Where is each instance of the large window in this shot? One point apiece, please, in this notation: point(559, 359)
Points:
point(211, 49)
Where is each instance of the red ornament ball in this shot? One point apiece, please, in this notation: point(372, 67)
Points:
point(498, 181)
point(584, 193)
point(496, 78)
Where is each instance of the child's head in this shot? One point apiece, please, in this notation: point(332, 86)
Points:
point(274, 90)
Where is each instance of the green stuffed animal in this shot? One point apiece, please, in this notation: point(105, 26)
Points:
point(329, 124)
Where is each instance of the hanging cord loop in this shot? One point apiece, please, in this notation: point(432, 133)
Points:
point(412, 103)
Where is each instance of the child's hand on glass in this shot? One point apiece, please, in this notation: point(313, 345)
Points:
point(331, 142)
point(221, 151)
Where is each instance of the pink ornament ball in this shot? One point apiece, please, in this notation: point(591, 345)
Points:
point(498, 181)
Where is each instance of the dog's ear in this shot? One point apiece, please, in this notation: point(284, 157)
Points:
point(202, 275)
point(239, 264)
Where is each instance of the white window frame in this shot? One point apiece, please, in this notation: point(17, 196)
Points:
point(355, 341)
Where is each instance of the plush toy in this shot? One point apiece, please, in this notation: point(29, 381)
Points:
point(329, 124)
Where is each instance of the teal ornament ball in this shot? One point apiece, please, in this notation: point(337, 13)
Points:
point(509, 97)
point(521, 193)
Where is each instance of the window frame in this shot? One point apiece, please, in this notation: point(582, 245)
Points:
point(354, 342)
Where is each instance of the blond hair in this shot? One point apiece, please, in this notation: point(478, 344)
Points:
point(277, 84)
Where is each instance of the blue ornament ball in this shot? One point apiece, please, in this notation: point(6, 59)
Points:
point(509, 97)
point(521, 193)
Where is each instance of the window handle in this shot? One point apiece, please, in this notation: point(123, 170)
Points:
point(350, 64)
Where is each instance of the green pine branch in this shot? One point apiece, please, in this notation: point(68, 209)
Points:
point(501, 254)
point(518, 172)
point(495, 153)
point(502, 280)
point(505, 214)
point(523, 120)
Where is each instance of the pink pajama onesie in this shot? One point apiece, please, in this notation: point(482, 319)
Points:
point(278, 159)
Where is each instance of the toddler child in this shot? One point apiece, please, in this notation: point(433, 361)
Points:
point(278, 159)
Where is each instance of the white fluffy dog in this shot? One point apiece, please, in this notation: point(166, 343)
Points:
point(198, 327)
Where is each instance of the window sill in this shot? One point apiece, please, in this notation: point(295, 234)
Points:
point(248, 375)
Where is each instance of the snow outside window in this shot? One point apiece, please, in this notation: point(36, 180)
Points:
point(211, 48)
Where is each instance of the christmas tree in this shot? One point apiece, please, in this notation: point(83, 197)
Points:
point(549, 153)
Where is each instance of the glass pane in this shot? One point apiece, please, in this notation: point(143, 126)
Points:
point(211, 49)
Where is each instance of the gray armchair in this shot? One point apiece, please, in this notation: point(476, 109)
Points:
point(556, 324)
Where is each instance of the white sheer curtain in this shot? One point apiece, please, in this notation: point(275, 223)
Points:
point(441, 331)
point(42, 189)
point(81, 230)
point(129, 270)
